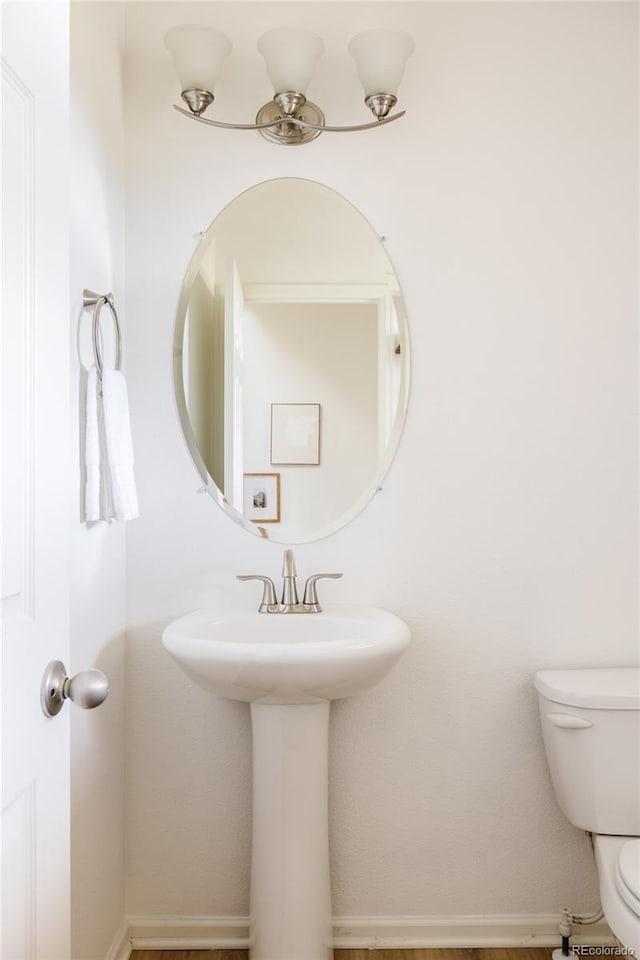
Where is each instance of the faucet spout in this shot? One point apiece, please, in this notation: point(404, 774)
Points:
point(289, 575)
point(289, 564)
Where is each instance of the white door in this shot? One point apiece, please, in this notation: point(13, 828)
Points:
point(35, 477)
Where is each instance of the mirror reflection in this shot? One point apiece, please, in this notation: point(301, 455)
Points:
point(291, 360)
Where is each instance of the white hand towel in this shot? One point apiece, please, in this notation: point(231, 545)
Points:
point(119, 448)
point(92, 451)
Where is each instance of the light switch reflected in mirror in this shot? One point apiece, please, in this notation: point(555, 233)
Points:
point(291, 360)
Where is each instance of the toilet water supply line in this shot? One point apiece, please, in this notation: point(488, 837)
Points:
point(568, 919)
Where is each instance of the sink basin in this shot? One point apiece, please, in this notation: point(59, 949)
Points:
point(287, 658)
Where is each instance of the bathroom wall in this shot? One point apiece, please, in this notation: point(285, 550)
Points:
point(506, 530)
point(98, 551)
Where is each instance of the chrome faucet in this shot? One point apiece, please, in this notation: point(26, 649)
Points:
point(289, 602)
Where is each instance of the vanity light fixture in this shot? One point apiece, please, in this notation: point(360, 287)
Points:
point(290, 56)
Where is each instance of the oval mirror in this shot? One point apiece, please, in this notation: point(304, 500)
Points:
point(291, 360)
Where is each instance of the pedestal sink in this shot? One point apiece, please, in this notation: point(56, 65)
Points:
point(289, 668)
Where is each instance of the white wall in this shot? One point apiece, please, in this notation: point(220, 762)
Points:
point(506, 530)
point(98, 552)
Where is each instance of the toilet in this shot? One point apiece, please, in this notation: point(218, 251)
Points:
point(591, 728)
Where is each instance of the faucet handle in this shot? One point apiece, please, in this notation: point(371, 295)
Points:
point(269, 601)
point(310, 598)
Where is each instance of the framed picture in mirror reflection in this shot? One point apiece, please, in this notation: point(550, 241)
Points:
point(261, 496)
point(295, 433)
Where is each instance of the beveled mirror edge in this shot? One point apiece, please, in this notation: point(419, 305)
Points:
point(183, 414)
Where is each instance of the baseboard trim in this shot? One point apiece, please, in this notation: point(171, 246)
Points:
point(408, 933)
point(189, 933)
point(458, 931)
point(121, 948)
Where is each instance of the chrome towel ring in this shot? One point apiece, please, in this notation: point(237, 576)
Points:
point(98, 301)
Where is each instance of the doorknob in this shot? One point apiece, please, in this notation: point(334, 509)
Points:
point(87, 689)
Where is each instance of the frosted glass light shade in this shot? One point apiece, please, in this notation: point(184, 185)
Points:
point(381, 57)
point(290, 56)
point(198, 53)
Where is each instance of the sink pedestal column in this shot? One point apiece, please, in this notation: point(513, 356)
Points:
point(290, 887)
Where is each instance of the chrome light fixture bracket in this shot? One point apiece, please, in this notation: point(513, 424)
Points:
point(288, 115)
point(292, 121)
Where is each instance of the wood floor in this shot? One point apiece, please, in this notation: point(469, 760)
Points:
point(520, 953)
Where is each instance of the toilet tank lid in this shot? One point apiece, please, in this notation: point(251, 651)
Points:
point(602, 688)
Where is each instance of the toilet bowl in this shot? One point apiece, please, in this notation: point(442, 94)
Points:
point(618, 861)
point(591, 729)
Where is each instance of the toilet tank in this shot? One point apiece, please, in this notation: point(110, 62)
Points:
point(591, 729)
